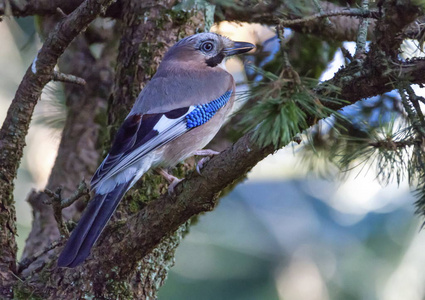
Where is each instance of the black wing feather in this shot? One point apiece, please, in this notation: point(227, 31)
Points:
point(133, 133)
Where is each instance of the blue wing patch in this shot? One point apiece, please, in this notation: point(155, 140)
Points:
point(203, 113)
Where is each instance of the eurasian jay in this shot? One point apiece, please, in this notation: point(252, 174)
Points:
point(178, 112)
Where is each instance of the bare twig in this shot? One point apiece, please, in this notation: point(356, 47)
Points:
point(280, 34)
point(362, 33)
point(346, 54)
point(349, 12)
point(412, 115)
point(61, 13)
point(56, 199)
point(82, 190)
point(321, 10)
point(57, 76)
point(288, 71)
point(58, 203)
point(415, 101)
point(29, 260)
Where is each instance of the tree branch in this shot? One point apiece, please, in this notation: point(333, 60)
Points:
point(362, 33)
point(349, 12)
point(253, 11)
point(58, 76)
point(15, 126)
point(25, 8)
point(344, 28)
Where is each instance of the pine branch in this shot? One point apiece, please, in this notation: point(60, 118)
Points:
point(390, 144)
point(414, 99)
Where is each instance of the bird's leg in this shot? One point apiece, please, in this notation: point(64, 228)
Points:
point(208, 153)
point(172, 180)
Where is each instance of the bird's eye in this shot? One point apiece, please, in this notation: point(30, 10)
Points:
point(207, 46)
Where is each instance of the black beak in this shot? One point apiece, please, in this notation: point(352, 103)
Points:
point(238, 48)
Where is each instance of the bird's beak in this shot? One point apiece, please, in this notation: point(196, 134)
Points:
point(238, 48)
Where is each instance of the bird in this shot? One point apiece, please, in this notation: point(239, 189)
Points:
point(176, 115)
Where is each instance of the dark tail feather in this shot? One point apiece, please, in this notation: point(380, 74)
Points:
point(94, 219)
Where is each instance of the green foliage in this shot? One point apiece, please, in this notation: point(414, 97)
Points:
point(284, 105)
point(419, 3)
point(386, 147)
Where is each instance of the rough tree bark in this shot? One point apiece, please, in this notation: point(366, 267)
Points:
point(15, 127)
point(132, 258)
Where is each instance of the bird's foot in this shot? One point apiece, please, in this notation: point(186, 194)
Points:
point(208, 153)
point(172, 180)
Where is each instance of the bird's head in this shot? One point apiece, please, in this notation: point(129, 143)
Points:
point(208, 49)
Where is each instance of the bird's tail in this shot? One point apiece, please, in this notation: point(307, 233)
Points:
point(90, 226)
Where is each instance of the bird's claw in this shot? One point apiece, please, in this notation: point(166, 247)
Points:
point(173, 184)
point(172, 180)
point(201, 163)
point(208, 153)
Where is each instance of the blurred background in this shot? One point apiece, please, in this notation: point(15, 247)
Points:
point(287, 232)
